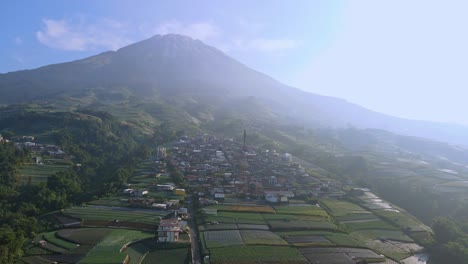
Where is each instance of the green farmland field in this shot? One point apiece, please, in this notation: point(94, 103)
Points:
point(111, 214)
point(256, 255)
point(108, 250)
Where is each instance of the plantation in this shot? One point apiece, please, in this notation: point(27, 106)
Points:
point(34, 174)
point(300, 225)
point(244, 208)
point(370, 225)
point(108, 250)
point(339, 208)
point(222, 238)
point(259, 237)
point(101, 213)
point(256, 254)
point(301, 210)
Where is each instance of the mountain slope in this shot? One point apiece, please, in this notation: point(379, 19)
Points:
point(205, 83)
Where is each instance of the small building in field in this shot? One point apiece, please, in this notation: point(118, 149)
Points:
point(168, 230)
point(180, 192)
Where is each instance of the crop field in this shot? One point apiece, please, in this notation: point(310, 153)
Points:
point(256, 255)
point(370, 225)
point(337, 238)
point(166, 256)
point(254, 216)
point(341, 208)
point(111, 214)
point(222, 238)
point(244, 208)
point(52, 238)
point(259, 237)
point(401, 219)
point(390, 249)
point(301, 210)
point(84, 236)
point(356, 217)
point(233, 220)
point(301, 225)
point(108, 250)
point(339, 255)
point(34, 174)
point(383, 234)
point(252, 227)
point(307, 239)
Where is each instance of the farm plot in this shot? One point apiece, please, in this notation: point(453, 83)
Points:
point(300, 225)
point(256, 254)
point(260, 237)
point(339, 255)
point(402, 219)
point(35, 174)
point(84, 236)
point(244, 208)
point(339, 208)
point(236, 217)
point(52, 238)
point(222, 238)
point(166, 256)
point(383, 234)
point(336, 238)
point(108, 250)
point(390, 249)
point(104, 213)
point(306, 239)
point(301, 210)
point(370, 225)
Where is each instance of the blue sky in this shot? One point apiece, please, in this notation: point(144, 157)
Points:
point(404, 58)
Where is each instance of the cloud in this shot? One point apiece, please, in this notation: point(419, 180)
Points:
point(203, 31)
point(18, 40)
point(272, 45)
point(83, 36)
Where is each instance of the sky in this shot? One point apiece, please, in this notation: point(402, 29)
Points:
point(399, 57)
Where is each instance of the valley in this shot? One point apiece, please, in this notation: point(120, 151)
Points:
point(169, 151)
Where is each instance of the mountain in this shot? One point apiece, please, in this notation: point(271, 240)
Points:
point(202, 84)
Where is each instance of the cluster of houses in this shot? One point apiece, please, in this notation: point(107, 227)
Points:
point(27, 142)
point(216, 168)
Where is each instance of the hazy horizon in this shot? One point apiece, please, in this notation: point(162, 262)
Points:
point(391, 57)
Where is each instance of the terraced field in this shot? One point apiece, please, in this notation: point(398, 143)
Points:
point(102, 213)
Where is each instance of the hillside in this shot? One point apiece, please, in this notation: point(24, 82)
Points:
point(201, 84)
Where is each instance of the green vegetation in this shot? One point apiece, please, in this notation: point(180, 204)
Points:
point(109, 249)
point(259, 237)
point(256, 254)
point(301, 210)
point(112, 214)
point(222, 238)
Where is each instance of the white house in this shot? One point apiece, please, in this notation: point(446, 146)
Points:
point(168, 230)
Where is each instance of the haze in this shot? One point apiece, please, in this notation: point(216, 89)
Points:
point(403, 58)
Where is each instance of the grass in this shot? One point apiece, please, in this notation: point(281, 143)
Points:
point(256, 254)
point(259, 237)
point(108, 250)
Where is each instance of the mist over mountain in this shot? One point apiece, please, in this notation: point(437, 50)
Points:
point(206, 83)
